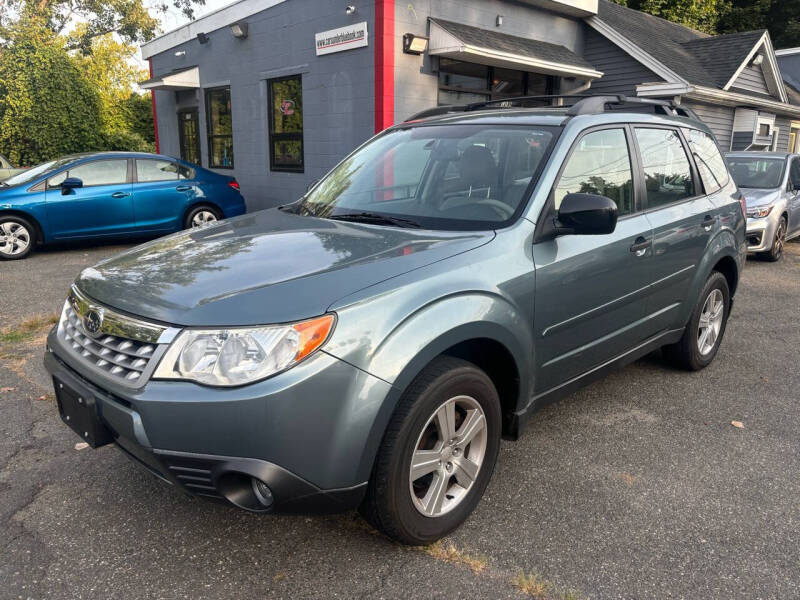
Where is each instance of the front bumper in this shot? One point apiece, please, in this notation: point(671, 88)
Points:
point(761, 233)
point(303, 433)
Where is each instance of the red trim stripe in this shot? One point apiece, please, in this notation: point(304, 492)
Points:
point(384, 64)
point(153, 99)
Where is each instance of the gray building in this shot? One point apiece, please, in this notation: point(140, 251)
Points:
point(276, 92)
point(789, 62)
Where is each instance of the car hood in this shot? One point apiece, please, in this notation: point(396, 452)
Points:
point(760, 197)
point(265, 267)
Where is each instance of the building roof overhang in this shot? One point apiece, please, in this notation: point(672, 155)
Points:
point(182, 79)
point(472, 44)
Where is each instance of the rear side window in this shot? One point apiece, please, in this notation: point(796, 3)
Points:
point(710, 163)
point(160, 170)
point(667, 171)
point(599, 164)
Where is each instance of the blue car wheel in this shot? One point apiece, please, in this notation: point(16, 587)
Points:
point(17, 237)
point(200, 215)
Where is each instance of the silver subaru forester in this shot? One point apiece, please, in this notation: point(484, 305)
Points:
point(770, 182)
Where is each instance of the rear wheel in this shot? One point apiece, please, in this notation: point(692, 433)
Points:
point(437, 455)
point(201, 215)
point(776, 252)
point(17, 237)
point(703, 334)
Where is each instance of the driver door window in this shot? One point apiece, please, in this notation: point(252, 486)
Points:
point(600, 164)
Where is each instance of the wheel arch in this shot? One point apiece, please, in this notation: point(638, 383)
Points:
point(40, 235)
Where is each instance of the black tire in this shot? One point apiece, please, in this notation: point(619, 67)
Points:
point(14, 222)
point(200, 208)
point(686, 353)
point(775, 253)
point(388, 505)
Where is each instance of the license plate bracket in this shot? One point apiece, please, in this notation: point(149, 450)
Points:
point(78, 409)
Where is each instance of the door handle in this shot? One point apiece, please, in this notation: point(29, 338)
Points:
point(640, 246)
point(120, 195)
point(708, 222)
point(183, 188)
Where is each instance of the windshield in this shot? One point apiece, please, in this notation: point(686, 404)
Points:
point(756, 172)
point(439, 177)
point(35, 172)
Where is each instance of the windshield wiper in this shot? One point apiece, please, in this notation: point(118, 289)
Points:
point(376, 219)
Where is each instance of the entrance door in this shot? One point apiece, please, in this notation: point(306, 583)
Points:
point(189, 133)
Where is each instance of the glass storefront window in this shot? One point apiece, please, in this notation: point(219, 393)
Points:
point(286, 124)
point(220, 128)
point(465, 83)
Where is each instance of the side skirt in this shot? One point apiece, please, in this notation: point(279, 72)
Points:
point(520, 418)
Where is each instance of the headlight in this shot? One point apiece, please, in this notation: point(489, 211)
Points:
point(235, 356)
point(759, 212)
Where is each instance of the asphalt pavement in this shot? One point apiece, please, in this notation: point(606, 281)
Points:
point(638, 486)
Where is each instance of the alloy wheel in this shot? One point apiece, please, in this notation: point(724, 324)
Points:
point(448, 456)
point(14, 238)
point(780, 239)
point(203, 217)
point(710, 324)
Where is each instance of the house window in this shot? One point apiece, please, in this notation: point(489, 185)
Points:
point(763, 129)
point(463, 83)
point(286, 124)
point(220, 128)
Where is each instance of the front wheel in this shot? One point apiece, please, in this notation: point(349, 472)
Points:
point(775, 253)
point(703, 334)
point(437, 455)
point(201, 215)
point(17, 237)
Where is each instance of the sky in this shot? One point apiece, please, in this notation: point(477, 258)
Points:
point(174, 18)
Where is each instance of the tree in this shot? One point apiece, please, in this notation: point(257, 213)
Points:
point(129, 19)
point(702, 15)
point(781, 17)
point(47, 108)
point(111, 70)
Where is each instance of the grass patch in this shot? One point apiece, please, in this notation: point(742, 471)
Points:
point(533, 585)
point(449, 553)
point(27, 329)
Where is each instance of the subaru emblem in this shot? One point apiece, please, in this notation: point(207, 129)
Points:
point(93, 321)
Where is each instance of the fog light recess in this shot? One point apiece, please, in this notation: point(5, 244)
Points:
point(246, 491)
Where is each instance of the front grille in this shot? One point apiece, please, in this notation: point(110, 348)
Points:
point(118, 356)
point(121, 347)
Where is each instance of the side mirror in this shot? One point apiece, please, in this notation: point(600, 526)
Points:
point(588, 214)
point(70, 183)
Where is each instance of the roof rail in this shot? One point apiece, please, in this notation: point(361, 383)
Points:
point(582, 105)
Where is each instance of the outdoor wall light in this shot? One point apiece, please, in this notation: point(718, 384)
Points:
point(202, 38)
point(180, 53)
point(239, 30)
point(414, 44)
point(350, 9)
point(758, 60)
point(499, 20)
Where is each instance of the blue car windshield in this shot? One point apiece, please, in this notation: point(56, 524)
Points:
point(37, 171)
point(453, 177)
point(756, 171)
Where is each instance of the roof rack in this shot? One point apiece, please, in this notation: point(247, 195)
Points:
point(582, 105)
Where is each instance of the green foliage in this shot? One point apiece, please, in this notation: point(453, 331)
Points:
point(53, 102)
point(47, 108)
point(129, 19)
point(702, 15)
point(781, 17)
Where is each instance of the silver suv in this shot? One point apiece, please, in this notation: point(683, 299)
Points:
point(770, 183)
point(369, 344)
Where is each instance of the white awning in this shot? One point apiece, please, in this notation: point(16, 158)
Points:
point(185, 79)
point(482, 46)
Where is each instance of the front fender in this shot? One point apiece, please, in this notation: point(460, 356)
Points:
point(416, 340)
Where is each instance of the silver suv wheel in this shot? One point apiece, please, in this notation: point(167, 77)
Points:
point(710, 324)
point(448, 456)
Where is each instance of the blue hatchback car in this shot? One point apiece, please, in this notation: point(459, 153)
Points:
point(110, 195)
